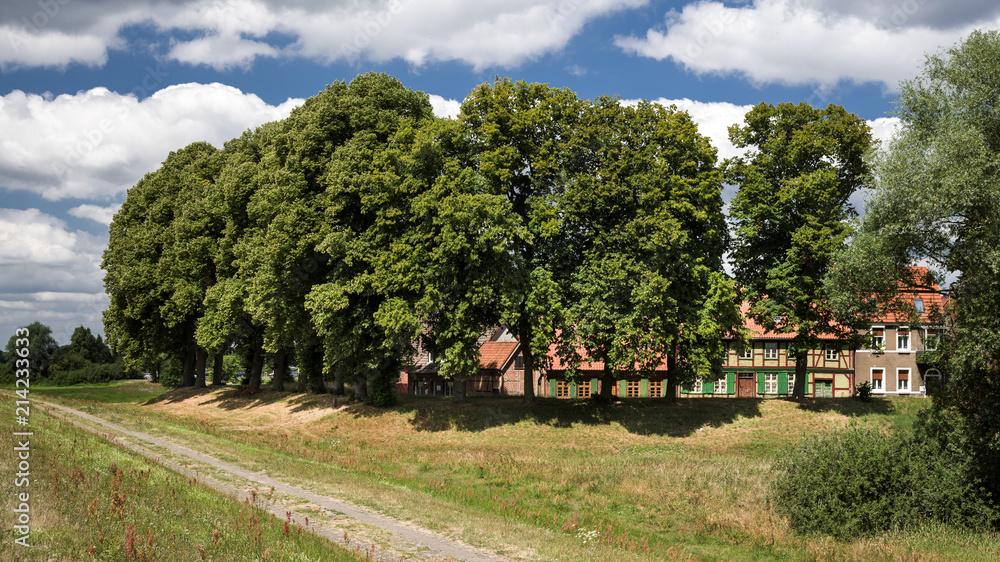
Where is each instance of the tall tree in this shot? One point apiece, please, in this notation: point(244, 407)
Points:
point(936, 202)
point(791, 214)
point(519, 135)
point(41, 346)
point(156, 272)
point(352, 314)
point(92, 348)
point(645, 214)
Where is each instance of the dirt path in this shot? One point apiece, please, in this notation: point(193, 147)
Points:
point(404, 540)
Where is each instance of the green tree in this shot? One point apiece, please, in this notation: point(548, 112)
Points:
point(645, 215)
point(791, 214)
point(935, 202)
point(92, 348)
point(519, 135)
point(156, 267)
point(41, 347)
point(356, 318)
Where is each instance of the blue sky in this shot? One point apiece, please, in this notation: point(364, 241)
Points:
point(95, 93)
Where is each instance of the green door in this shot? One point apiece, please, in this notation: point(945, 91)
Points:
point(824, 389)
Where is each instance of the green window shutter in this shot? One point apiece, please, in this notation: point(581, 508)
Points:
point(622, 388)
point(552, 387)
point(760, 383)
point(573, 390)
point(707, 386)
point(731, 382)
point(644, 388)
point(782, 383)
point(594, 385)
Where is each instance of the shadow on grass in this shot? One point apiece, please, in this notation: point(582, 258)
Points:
point(848, 406)
point(235, 398)
point(639, 416)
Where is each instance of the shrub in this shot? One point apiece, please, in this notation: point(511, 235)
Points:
point(864, 392)
point(864, 481)
point(89, 374)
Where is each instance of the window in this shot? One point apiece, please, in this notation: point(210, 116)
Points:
point(832, 353)
point(791, 382)
point(632, 389)
point(770, 383)
point(770, 350)
point(656, 388)
point(878, 338)
point(930, 339)
point(919, 305)
point(697, 387)
point(746, 353)
point(583, 389)
point(562, 389)
point(519, 362)
point(902, 339)
point(877, 376)
point(721, 386)
point(902, 380)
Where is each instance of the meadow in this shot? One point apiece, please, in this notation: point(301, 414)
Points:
point(558, 480)
point(90, 499)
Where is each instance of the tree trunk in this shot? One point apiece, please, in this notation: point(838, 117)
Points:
point(671, 390)
point(458, 389)
point(217, 369)
point(280, 370)
point(524, 334)
point(360, 387)
point(200, 363)
point(801, 373)
point(187, 373)
point(258, 365)
point(338, 380)
point(607, 382)
point(314, 375)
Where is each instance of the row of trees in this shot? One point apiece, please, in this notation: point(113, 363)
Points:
point(361, 224)
point(85, 357)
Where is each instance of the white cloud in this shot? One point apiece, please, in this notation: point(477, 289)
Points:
point(48, 273)
point(794, 43)
point(713, 119)
point(96, 144)
point(444, 107)
point(233, 33)
point(102, 215)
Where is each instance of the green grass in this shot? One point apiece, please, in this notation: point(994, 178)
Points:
point(90, 499)
point(126, 391)
point(640, 479)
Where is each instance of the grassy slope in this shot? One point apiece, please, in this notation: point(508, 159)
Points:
point(90, 499)
point(560, 480)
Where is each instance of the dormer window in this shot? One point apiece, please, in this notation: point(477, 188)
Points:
point(919, 305)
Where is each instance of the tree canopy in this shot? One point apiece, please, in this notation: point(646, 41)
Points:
point(791, 215)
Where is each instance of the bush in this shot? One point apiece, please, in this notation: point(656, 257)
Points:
point(89, 374)
point(864, 481)
point(864, 392)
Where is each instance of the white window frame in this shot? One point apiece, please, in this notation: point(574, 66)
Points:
point(721, 385)
point(696, 387)
point(929, 338)
point(831, 352)
point(746, 352)
point(769, 348)
point(909, 377)
point(770, 383)
point(881, 383)
point(879, 343)
point(908, 338)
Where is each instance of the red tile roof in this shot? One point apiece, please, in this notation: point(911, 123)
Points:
point(559, 365)
point(759, 332)
point(932, 299)
point(495, 354)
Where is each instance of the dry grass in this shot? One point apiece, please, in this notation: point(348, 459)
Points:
point(569, 480)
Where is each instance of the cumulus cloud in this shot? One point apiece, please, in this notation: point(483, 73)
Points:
point(236, 32)
point(48, 273)
point(101, 215)
point(96, 144)
point(798, 42)
point(444, 107)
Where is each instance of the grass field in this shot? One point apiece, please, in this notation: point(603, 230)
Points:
point(560, 480)
point(89, 499)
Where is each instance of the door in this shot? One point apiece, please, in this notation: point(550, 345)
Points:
point(746, 385)
point(824, 389)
